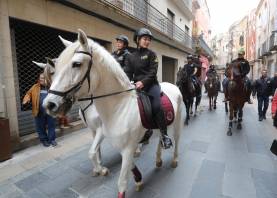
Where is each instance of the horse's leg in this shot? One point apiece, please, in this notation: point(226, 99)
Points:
point(197, 102)
point(94, 154)
point(191, 105)
point(210, 103)
point(215, 97)
point(187, 112)
point(239, 127)
point(138, 151)
point(226, 107)
point(176, 133)
point(126, 166)
point(159, 161)
point(138, 177)
point(231, 114)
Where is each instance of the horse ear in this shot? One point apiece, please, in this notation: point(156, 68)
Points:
point(41, 65)
point(50, 62)
point(82, 38)
point(65, 42)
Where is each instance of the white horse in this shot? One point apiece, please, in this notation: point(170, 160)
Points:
point(84, 68)
point(89, 116)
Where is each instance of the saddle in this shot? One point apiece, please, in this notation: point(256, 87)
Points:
point(146, 114)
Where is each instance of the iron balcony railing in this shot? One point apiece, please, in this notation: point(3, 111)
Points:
point(145, 12)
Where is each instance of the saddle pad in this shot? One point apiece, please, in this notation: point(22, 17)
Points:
point(147, 120)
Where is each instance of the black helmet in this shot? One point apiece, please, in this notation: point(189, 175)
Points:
point(190, 57)
point(123, 38)
point(142, 32)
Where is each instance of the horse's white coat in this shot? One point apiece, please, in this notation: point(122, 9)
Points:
point(119, 113)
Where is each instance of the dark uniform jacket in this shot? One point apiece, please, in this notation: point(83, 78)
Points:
point(245, 67)
point(142, 65)
point(262, 87)
point(189, 68)
point(120, 56)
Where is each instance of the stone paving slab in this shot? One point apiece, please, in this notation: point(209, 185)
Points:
point(211, 164)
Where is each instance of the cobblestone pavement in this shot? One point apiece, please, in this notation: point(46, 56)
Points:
point(211, 164)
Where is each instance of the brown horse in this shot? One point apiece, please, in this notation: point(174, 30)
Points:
point(211, 85)
point(237, 95)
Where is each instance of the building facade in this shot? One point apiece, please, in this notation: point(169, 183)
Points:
point(201, 34)
point(266, 26)
point(30, 29)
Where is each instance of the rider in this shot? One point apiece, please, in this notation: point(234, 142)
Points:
point(141, 67)
point(192, 69)
point(212, 72)
point(121, 52)
point(244, 69)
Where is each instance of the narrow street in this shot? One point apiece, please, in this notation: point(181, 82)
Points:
point(211, 164)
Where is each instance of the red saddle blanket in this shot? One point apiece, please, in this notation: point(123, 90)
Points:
point(147, 117)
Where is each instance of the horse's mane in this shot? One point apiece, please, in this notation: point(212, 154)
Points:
point(101, 57)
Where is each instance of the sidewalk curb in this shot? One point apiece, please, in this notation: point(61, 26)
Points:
point(32, 139)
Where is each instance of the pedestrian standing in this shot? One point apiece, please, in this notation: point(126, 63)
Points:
point(263, 88)
point(274, 109)
point(43, 121)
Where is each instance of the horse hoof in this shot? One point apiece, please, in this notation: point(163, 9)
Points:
point(186, 122)
point(195, 115)
point(174, 164)
point(215, 107)
point(159, 164)
point(239, 127)
point(137, 154)
point(139, 186)
point(229, 133)
point(104, 171)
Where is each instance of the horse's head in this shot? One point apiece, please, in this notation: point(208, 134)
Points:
point(48, 70)
point(184, 81)
point(235, 70)
point(72, 71)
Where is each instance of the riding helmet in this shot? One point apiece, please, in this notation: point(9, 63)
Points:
point(142, 32)
point(123, 38)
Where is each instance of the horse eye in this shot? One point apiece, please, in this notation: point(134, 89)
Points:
point(76, 64)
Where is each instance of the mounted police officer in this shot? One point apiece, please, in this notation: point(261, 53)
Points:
point(244, 70)
point(213, 74)
point(121, 52)
point(141, 67)
point(192, 69)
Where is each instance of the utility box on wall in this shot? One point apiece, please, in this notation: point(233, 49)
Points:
point(5, 140)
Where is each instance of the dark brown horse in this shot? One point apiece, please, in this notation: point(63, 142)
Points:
point(237, 93)
point(211, 85)
point(189, 91)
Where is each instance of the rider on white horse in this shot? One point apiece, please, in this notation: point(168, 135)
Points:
point(141, 67)
point(121, 52)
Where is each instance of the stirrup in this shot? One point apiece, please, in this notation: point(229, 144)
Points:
point(166, 142)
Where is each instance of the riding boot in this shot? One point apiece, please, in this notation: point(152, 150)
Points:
point(160, 120)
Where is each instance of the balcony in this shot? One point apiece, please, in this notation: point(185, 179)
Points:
point(200, 43)
point(273, 41)
point(186, 7)
point(146, 13)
